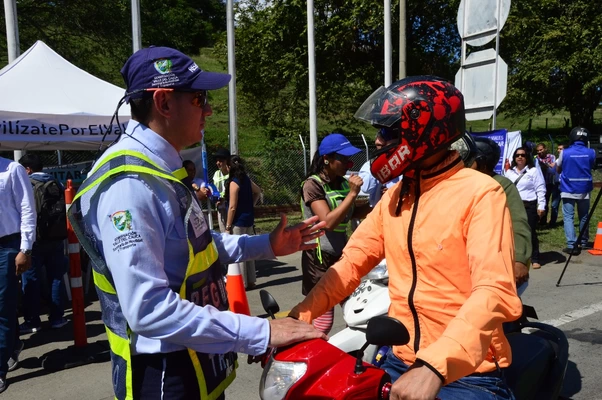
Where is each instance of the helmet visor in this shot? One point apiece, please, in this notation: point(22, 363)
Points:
point(383, 107)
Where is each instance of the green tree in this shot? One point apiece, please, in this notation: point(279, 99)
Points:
point(97, 35)
point(272, 66)
point(554, 53)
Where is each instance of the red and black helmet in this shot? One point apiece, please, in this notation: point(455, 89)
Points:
point(428, 113)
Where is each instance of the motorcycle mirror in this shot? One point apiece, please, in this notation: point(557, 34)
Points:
point(383, 331)
point(269, 303)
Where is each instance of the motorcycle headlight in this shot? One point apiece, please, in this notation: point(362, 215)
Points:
point(379, 272)
point(278, 377)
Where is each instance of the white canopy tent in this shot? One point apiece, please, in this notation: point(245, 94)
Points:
point(47, 103)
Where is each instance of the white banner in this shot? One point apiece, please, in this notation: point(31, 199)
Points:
point(57, 133)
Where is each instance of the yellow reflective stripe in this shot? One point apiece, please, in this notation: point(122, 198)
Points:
point(126, 168)
point(121, 347)
point(120, 153)
point(200, 262)
point(180, 173)
point(201, 378)
point(103, 283)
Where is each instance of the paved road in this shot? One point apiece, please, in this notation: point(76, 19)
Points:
point(575, 307)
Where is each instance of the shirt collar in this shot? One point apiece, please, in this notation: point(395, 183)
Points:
point(154, 143)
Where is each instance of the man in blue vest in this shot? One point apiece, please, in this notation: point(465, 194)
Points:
point(157, 265)
point(576, 182)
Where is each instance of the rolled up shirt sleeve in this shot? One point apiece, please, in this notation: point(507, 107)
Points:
point(141, 274)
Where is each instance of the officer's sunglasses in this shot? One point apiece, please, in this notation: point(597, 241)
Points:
point(199, 100)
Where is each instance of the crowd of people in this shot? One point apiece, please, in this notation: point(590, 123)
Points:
point(159, 267)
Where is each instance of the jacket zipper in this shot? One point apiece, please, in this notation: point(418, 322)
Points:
point(414, 271)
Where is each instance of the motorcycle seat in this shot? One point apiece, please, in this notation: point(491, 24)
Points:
point(532, 357)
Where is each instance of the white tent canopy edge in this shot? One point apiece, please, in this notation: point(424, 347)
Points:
point(48, 103)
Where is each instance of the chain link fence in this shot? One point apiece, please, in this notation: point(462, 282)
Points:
point(280, 172)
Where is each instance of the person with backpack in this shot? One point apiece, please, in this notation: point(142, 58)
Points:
point(48, 249)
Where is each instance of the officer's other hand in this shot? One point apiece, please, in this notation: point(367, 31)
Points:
point(22, 262)
point(291, 239)
point(287, 331)
point(355, 184)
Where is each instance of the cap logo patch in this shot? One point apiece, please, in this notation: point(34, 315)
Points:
point(163, 66)
point(193, 67)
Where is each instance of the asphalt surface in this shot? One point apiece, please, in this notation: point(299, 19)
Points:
point(575, 307)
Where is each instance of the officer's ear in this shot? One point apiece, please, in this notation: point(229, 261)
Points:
point(162, 101)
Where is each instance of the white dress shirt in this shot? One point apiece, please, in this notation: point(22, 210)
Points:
point(531, 186)
point(18, 210)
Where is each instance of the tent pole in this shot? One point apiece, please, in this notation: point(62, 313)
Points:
point(12, 42)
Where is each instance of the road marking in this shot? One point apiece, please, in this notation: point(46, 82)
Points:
point(575, 315)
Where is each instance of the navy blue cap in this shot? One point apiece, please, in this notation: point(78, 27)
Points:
point(337, 143)
point(164, 67)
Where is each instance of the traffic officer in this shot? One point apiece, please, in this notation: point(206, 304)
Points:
point(157, 265)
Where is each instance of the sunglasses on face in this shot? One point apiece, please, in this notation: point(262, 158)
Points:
point(520, 155)
point(341, 158)
point(199, 100)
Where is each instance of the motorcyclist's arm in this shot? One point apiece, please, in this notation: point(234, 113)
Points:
point(490, 249)
point(364, 250)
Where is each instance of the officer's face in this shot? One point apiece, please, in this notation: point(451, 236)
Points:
point(189, 118)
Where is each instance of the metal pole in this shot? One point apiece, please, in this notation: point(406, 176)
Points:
point(367, 151)
point(402, 39)
point(387, 40)
point(581, 232)
point(497, 61)
point(311, 55)
point(304, 155)
point(136, 27)
point(232, 71)
point(12, 42)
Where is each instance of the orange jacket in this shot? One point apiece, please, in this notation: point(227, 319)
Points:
point(450, 255)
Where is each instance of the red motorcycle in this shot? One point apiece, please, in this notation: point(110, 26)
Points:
point(316, 369)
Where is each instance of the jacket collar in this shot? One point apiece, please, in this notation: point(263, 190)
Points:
point(448, 167)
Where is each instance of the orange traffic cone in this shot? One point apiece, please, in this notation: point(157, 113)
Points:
point(237, 295)
point(597, 250)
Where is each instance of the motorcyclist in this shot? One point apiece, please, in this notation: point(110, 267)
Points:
point(445, 231)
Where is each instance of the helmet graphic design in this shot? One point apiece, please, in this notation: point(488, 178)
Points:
point(429, 113)
point(578, 133)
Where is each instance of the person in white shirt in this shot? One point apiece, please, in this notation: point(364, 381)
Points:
point(17, 234)
point(532, 189)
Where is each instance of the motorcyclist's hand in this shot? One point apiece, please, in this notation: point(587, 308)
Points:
point(521, 273)
point(287, 331)
point(22, 263)
point(355, 184)
point(418, 383)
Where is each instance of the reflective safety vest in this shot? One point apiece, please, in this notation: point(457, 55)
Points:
point(203, 282)
point(219, 180)
point(577, 163)
point(336, 238)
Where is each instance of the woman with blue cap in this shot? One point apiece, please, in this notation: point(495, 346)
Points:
point(329, 195)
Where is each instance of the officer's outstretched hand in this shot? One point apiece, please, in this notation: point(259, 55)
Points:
point(287, 240)
point(287, 331)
